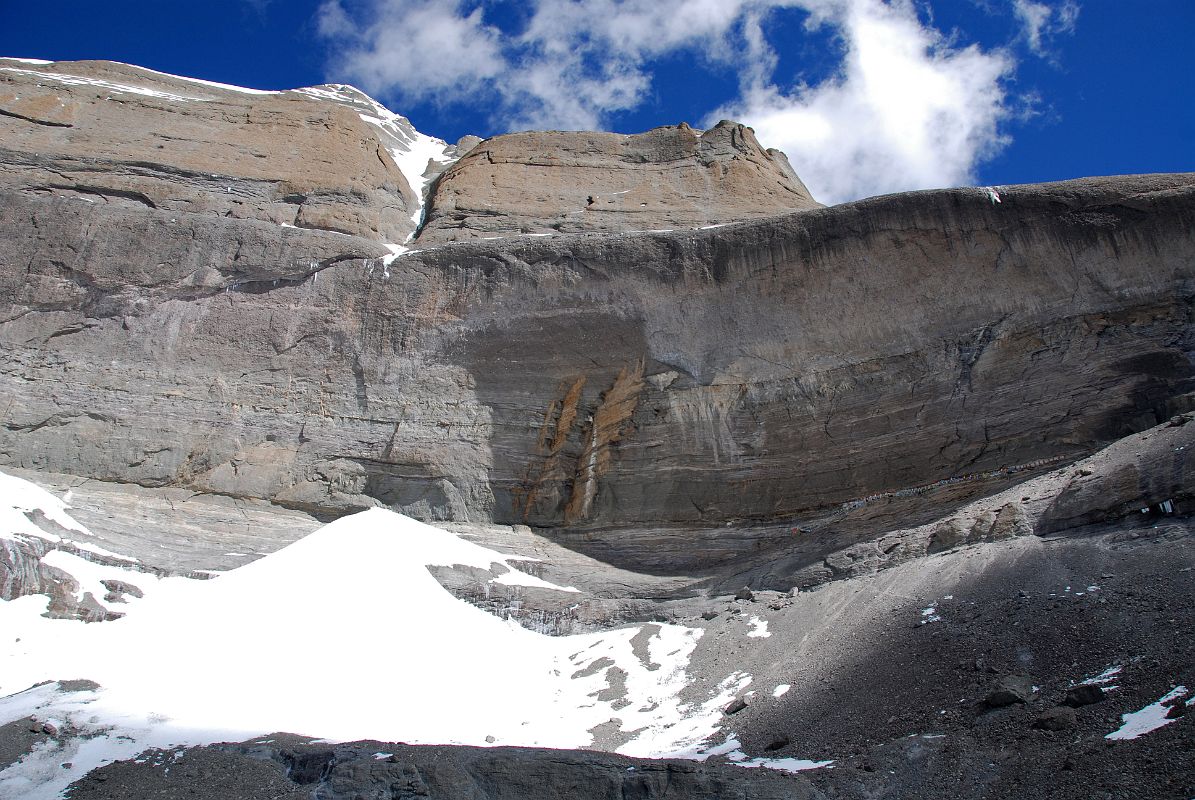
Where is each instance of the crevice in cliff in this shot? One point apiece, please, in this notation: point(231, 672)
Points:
point(44, 122)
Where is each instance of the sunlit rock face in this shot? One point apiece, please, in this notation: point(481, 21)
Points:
point(545, 182)
point(325, 157)
point(666, 399)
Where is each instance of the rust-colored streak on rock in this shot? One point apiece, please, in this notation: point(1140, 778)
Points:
point(525, 497)
point(568, 414)
point(617, 406)
point(544, 427)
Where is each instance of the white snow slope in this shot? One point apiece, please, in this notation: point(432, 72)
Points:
point(343, 635)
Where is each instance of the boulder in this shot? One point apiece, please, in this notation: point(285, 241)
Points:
point(1059, 718)
point(1008, 690)
point(1084, 694)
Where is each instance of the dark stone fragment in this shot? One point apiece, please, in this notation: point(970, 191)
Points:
point(1009, 690)
point(1056, 719)
point(1084, 695)
point(735, 706)
point(779, 743)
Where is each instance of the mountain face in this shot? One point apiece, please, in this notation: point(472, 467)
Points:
point(548, 182)
point(657, 385)
point(653, 362)
point(324, 158)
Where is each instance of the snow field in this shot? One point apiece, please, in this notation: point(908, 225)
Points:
point(343, 635)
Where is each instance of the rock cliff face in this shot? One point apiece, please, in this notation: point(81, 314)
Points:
point(911, 470)
point(544, 182)
point(811, 374)
point(322, 158)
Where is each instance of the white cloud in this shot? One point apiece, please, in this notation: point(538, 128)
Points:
point(904, 110)
point(1040, 22)
point(419, 48)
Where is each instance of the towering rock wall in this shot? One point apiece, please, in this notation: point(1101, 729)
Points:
point(322, 158)
point(644, 389)
point(543, 182)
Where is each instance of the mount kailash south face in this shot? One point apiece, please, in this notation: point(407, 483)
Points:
point(574, 464)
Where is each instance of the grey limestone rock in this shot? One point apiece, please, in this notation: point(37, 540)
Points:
point(541, 182)
point(118, 135)
point(663, 401)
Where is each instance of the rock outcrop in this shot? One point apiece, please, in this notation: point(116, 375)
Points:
point(765, 372)
point(543, 182)
point(122, 136)
point(285, 767)
point(666, 400)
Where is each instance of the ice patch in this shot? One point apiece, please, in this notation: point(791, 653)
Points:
point(781, 690)
point(20, 498)
point(1105, 677)
point(685, 739)
point(759, 628)
point(412, 153)
point(930, 614)
point(212, 84)
point(785, 764)
point(122, 88)
point(1148, 719)
point(732, 749)
point(514, 577)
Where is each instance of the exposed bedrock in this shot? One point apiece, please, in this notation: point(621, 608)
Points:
point(544, 182)
point(286, 766)
point(644, 390)
point(115, 134)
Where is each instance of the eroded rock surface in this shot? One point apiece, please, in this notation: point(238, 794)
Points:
point(762, 374)
point(666, 401)
point(122, 136)
point(283, 766)
point(541, 182)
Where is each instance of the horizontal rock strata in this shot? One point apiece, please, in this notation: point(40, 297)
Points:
point(118, 135)
point(542, 182)
point(759, 374)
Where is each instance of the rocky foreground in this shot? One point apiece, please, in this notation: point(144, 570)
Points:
point(913, 468)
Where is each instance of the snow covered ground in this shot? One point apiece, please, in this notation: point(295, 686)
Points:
point(344, 635)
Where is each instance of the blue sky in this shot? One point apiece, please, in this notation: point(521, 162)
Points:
point(865, 96)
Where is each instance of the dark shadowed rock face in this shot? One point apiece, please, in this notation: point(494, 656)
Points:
point(542, 182)
point(284, 766)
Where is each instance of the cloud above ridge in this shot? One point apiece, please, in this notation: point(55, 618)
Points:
point(905, 108)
